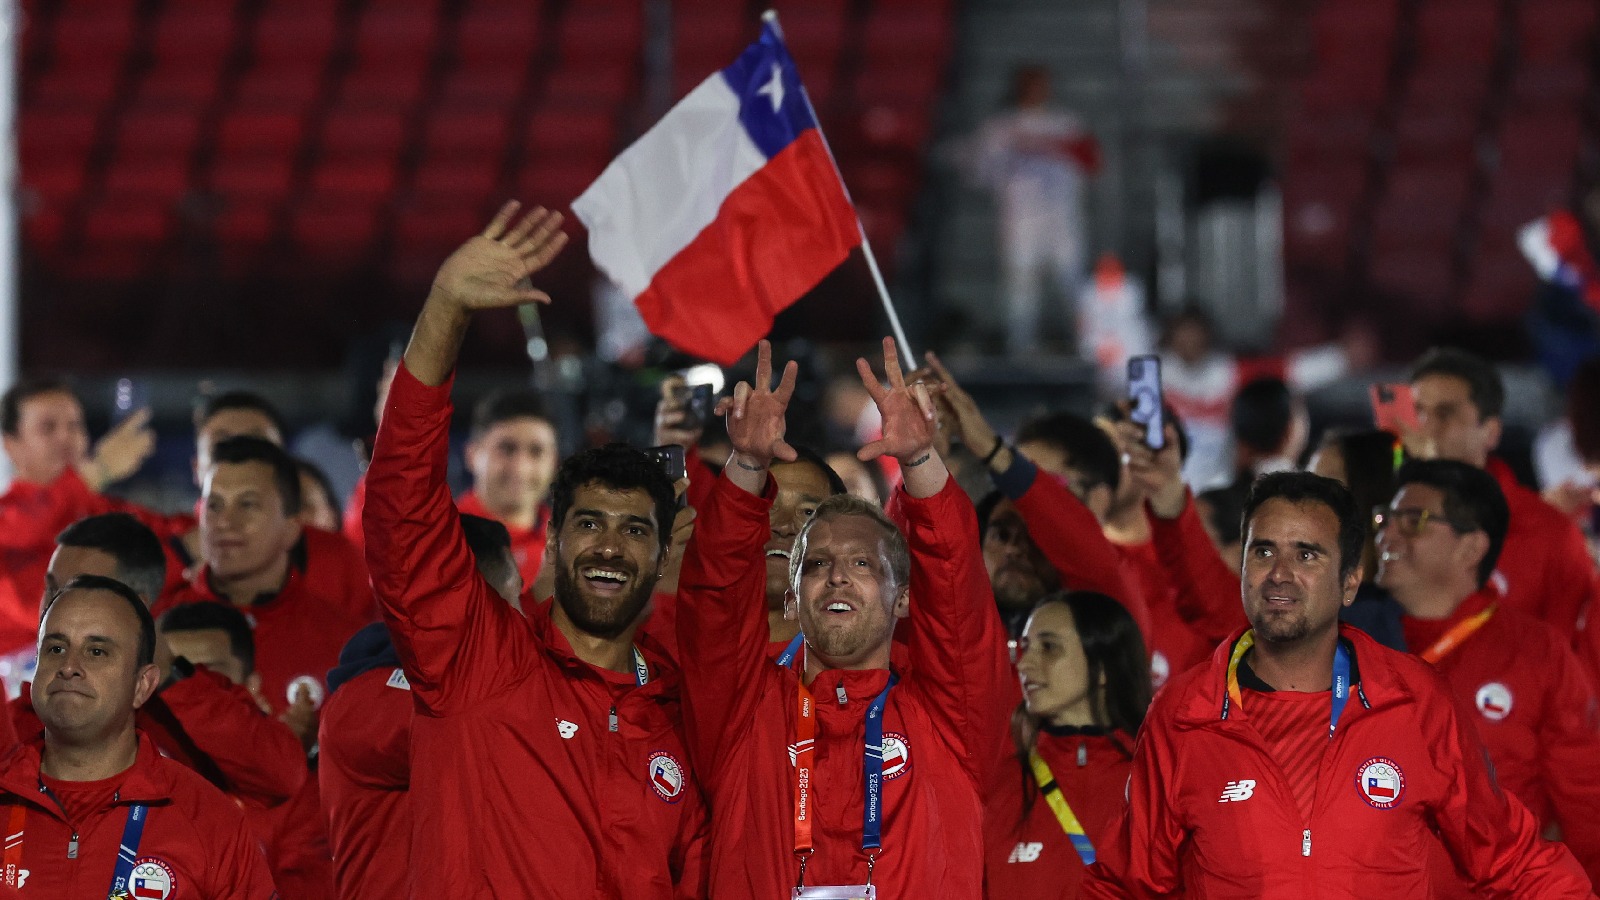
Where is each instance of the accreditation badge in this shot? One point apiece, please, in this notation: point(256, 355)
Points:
point(837, 892)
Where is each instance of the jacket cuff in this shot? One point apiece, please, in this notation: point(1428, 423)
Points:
point(1017, 478)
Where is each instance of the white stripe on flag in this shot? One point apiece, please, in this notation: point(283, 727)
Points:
point(666, 188)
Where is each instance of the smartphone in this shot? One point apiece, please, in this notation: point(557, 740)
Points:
point(697, 408)
point(1144, 398)
point(1394, 407)
point(671, 460)
point(128, 397)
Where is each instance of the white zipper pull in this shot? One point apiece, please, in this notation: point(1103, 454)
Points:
point(840, 691)
point(613, 719)
point(1083, 754)
point(72, 847)
point(1305, 842)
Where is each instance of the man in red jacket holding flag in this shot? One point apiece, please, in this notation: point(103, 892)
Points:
point(835, 768)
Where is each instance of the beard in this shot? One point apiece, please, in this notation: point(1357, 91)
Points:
point(603, 617)
point(1280, 628)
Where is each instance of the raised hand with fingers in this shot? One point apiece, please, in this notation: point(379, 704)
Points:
point(755, 421)
point(491, 270)
point(121, 452)
point(974, 429)
point(910, 425)
point(1158, 473)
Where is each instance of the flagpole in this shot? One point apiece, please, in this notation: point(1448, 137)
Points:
point(771, 18)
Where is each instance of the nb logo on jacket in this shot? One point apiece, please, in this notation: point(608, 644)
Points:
point(1026, 852)
point(1238, 791)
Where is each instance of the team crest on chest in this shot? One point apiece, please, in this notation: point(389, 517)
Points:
point(1381, 782)
point(666, 776)
point(896, 755)
point(152, 879)
point(1494, 701)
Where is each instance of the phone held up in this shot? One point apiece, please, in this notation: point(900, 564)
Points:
point(1394, 408)
point(1144, 399)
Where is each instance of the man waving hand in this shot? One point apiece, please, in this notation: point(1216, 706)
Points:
point(841, 767)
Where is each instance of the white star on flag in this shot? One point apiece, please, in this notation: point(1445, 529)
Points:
point(774, 88)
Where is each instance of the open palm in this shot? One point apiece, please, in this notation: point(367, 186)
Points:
point(491, 269)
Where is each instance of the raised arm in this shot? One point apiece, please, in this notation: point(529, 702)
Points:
point(453, 633)
point(956, 640)
point(257, 754)
point(722, 619)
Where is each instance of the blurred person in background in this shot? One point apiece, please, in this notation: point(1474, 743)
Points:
point(233, 414)
point(1269, 427)
point(1528, 695)
point(1036, 160)
point(860, 479)
point(1219, 510)
point(319, 503)
point(512, 454)
point(1564, 320)
point(92, 775)
point(1546, 570)
point(1365, 463)
point(1085, 688)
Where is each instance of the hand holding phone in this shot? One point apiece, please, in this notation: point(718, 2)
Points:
point(1145, 400)
point(1394, 408)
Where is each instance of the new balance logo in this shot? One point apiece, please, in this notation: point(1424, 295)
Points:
point(1237, 791)
point(1026, 852)
point(566, 729)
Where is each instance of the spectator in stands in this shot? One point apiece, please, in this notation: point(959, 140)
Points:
point(512, 455)
point(56, 481)
point(1535, 707)
point(570, 712)
point(1245, 783)
point(1036, 160)
point(1085, 687)
point(1546, 568)
point(254, 559)
point(91, 776)
point(319, 503)
point(365, 744)
point(1269, 426)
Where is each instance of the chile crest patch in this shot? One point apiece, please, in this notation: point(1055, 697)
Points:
point(665, 775)
point(1381, 782)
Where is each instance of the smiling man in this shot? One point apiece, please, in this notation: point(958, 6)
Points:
point(1305, 753)
point(91, 776)
point(559, 729)
point(836, 768)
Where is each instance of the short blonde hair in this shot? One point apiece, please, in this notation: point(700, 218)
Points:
point(896, 552)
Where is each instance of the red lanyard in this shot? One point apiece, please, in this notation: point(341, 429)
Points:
point(805, 752)
point(19, 815)
point(1458, 632)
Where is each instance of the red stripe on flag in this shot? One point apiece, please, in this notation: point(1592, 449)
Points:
point(774, 238)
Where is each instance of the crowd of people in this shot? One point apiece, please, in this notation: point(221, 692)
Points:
point(953, 663)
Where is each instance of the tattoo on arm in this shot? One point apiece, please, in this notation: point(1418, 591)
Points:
point(918, 461)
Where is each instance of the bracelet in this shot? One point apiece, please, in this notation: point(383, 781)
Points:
point(999, 442)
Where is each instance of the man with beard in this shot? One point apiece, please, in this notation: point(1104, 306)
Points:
point(547, 756)
point(840, 768)
point(1305, 753)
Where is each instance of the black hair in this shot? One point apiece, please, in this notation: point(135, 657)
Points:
point(1304, 487)
point(807, 455)
point(1087, 448)
point(1488, 392)
point(141, 561)
point(147, 625)
point(503, 406)
point(208, 407)
point(1473, 501)
point(1227, 511)
point(1192, 313)
point(212, 616)
point(619, 467)
point(1261, 415)
point(985, 510)
point(1115, 652)
point(1368, 464)
point(24, 390)
point(247, 449)
point(1115, 413)
point(485, 537)
point(307, 467)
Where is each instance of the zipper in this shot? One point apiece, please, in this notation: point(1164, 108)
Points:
point(839, 689)
point(1305, 842)
point(1083, 754)
point(72, 847)
point(613, 719)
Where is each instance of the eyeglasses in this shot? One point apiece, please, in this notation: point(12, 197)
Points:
point(1408, 522)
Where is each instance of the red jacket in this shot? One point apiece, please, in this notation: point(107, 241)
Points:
point(353, 508)
point(195, 843)
point(1032, 857)
point(1210, 813)
point(299, 631)
point(947, 714)
point(31, 515)
point(1175, 644)
point(1545, 562)
point(523, 783)
point(365, 770)
point(1537, 714)
point(527, 544)
point(1206, 586)
point(301, 861)
point(213, 727)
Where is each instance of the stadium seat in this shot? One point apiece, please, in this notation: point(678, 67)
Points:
point(462, 180)
point(1424, 135)
point(1319, 204)
point(305, 34)
point(501, 34)
point(251, 178)
point(1556, 30)
point(1458, 32)
point(1422, 279)
point(561, 131)
point(266, 132)
point(471, 132)
point(482, 85)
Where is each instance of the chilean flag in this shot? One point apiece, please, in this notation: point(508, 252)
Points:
point(725, 212)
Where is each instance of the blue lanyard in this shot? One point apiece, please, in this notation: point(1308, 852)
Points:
point(132, 834)
point(641, 672)
point(1341, 686)
point(788, 654)
point(872, 768)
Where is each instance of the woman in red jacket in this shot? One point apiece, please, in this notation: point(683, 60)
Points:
point(1085, 687)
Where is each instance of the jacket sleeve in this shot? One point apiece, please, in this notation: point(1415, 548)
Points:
point(691, 854)
point(1208, 590)
point(701, 476)
point(240, 870)
point(458, 641)
point(1142, 859)
point(1491, 836)
point(1570, 583)
point(32, 515)
point(1070, 537)
point(1569, 744)
point(258, 755)
point(722, 620)
point(956, 641)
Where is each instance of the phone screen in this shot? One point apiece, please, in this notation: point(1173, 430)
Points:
point(128, 397)
point(1394, 407)
point(671, 460)
point(1144, 398)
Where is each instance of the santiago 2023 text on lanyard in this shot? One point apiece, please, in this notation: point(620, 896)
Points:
point(127, 852)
